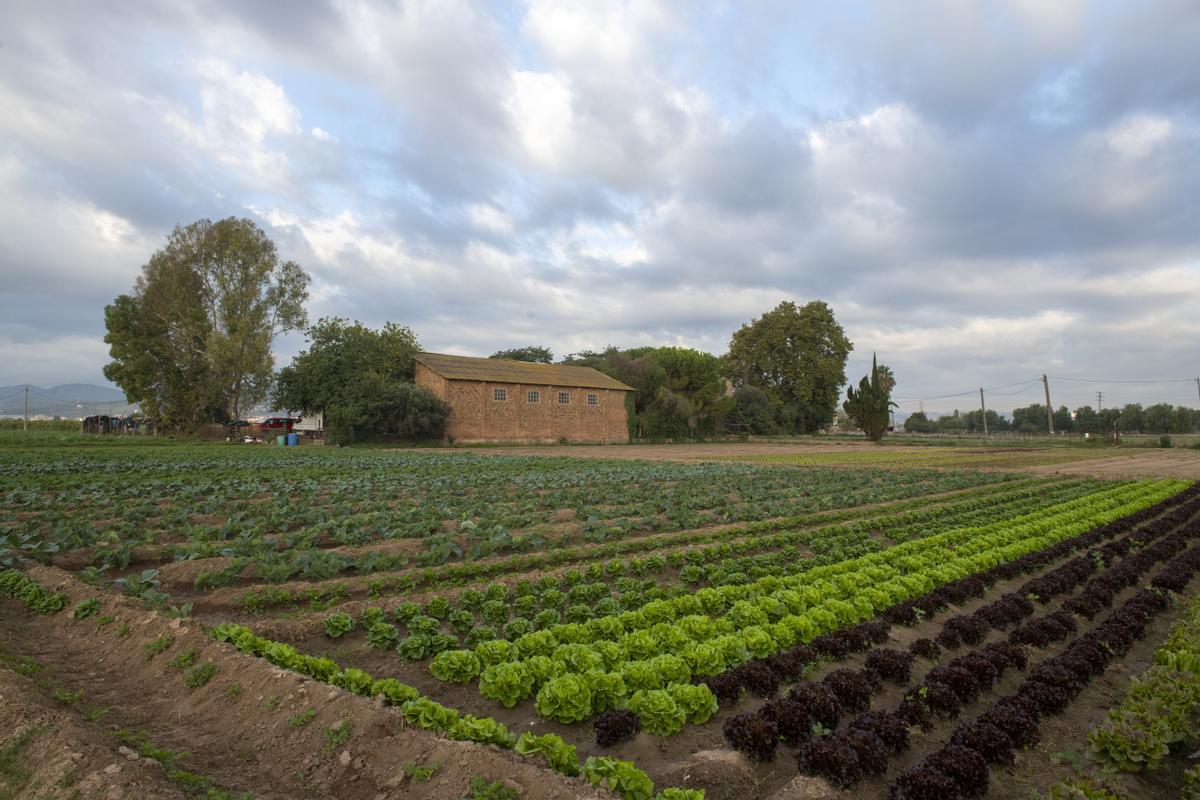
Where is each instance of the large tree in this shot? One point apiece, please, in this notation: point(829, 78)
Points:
point(192, 342)
point(797, 355)
point(680, 391)
point(870, 405)
point(339, 352)
point(361, 380)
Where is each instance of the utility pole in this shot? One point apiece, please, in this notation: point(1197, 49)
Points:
point(983, 407)
point(1198, 387)
point(25, 423)
point(1099, 402)
point(1049, 409)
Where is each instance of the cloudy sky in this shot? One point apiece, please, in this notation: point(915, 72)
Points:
point(982, 191)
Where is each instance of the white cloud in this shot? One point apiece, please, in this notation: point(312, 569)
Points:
point(242, 115)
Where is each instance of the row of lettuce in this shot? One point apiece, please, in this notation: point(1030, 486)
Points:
point(1157, 714)
point(712, 555)
point(609, 660)
point(496, 610)
point(622, 777)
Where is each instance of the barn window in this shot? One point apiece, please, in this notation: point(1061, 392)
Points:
point(500, 394)
point(535, 397)
point(564, 398)
point(593, 400)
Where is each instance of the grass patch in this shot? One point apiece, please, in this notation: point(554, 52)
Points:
point(303, 718)
point(337, 735)
point(198, 676)
point(11, 770)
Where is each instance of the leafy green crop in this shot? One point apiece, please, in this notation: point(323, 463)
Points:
point(658, 711)
point(507, 683)
point(337, 625)
point(456, 666)
point(567, 699)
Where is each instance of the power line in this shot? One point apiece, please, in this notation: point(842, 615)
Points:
point(1091, 380)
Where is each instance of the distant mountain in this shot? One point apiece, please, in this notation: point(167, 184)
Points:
point(67, 400)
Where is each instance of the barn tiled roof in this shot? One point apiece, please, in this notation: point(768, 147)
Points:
point(498, 370)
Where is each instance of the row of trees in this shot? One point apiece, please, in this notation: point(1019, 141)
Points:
point(783, 374)
point(1132, 418)
point(192, 344)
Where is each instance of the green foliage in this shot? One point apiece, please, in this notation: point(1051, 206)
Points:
point(507, 683)
point(797, 355)
point(337, 735)
point(622, 777)
point(376, 406)
point(339, 624)
point(870, 405)
point(658, 711)
point(697, 701)
point(192, 342)
point(680, 794)
point(567, 698)
point(533, 354)
point(31, 593)
point(559, 755)
point(456, 666)
point(158, 645)
point(482, 789)
point(199, 675)
point(420, 772)
point(86, 608)
point(341, 353)
point(184, 659)
point(383, 636)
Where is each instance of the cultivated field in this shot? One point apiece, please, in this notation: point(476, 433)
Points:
point(746, 620)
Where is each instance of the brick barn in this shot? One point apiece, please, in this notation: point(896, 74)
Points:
point(494, 400)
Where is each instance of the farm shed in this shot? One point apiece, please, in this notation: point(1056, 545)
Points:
point(494, 400)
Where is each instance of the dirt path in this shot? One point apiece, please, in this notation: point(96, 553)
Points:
point(56, 755)
point(252, 727)
point(1166, 463)
point(1175, 462)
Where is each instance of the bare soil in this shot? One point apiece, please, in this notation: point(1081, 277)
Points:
point(58, 756)
point(245, 738)
point(1099, 462)
point(1149, 463)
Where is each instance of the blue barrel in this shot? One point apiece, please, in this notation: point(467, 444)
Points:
point(293, 440)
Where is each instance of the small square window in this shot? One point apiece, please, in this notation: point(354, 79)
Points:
point(500, 394)
point(564, 398)
point(593, 400)
point(535, 397)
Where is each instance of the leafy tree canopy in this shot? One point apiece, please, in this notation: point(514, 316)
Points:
point(797, 355)
point(534, 354)
point(339, 353)
point(192, 342)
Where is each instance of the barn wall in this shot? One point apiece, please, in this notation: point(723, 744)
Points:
point(476, 416)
